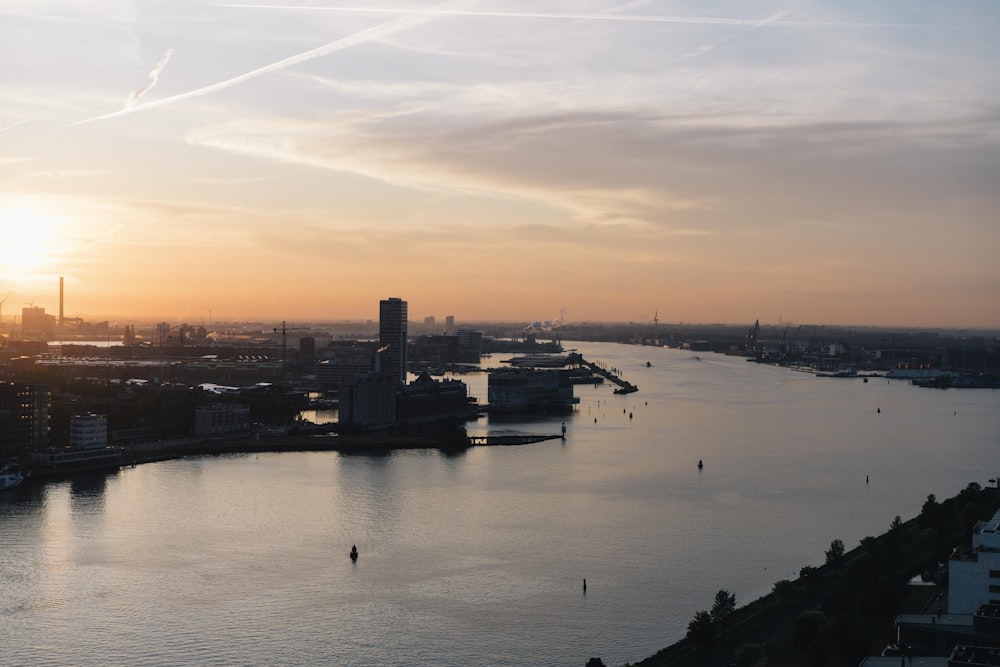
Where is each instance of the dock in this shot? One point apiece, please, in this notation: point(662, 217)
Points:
point(510, 439)
point(624, 386)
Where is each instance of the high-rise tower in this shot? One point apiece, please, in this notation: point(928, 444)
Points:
point(392, 337)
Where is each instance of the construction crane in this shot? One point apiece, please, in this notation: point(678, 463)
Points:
point(284, 338)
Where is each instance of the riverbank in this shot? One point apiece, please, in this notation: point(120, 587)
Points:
point(359, 443)
point(766, 626)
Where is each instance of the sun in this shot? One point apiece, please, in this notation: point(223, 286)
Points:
point(27, 239)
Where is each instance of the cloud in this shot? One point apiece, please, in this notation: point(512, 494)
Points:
point(154, 76)
point(776, 20)
point(410, 20)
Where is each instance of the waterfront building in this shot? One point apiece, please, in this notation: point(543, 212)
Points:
point(88, 450)
point(430, 401)
point(24, 418)
point(219, 418)
point(471, 343)
point(88, 430)
point(974, 573)
point(368, 401)
point(392, 336)
point(530, 390)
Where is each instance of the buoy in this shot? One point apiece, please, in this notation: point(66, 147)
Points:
point(584, 585)
point(700, 464)
point(878, 410)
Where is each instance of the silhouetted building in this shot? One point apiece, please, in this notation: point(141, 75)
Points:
point(307, 350)
point(524, 390)
point(36, 324)
point(217, 418)
point(341, 359)
point(368, 401)
point(430, 401)
point(434, 350)
point(392, 337)
point(470, 344)
point(449, 323)
point(429, 321)
point(24, 418)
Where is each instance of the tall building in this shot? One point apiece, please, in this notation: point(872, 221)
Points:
point(392, 338)
point(449, 322)
point(24, 418)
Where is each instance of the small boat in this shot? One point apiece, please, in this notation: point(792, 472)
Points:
point(9, 478)
point(354, 552)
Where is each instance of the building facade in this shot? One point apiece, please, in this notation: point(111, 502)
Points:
point(368, 402)
point(218, 418)
point(974, 574)
point(392, 336)
point(88, 431)
point(24, 418)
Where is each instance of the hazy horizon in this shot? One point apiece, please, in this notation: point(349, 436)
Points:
point(821, 162)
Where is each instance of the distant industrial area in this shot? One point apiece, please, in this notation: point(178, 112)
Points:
point(77, 394)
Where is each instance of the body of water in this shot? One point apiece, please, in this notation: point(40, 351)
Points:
point(478, 559)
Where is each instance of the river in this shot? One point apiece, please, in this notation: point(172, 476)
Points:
point(479, 558)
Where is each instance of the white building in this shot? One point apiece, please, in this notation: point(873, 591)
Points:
point(974, 574)
point(88, 431)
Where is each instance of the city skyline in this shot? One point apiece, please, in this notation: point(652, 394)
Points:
point(703, 162)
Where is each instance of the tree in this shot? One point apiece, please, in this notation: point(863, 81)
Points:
point(785, 591)
point(835, 552)
point(896, 524)
point(701, 630)
point(807, 629)
point(749, 655)
point(724, 606)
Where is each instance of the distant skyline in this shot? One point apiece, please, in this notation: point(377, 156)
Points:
point(824, 162)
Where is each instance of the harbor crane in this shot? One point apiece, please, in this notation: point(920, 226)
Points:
point(656, 322)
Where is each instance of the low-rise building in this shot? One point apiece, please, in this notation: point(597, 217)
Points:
point(974, 573)
point(221, 418)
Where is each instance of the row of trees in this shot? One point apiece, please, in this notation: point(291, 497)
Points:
point(702, 628)
point(846, 608)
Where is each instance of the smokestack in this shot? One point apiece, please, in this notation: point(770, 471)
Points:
point(60, 302)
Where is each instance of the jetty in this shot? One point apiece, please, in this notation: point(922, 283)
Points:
point(624, 386)
point(511, 439)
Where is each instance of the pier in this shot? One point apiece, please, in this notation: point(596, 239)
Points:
point(624, 386)
point(511, 439)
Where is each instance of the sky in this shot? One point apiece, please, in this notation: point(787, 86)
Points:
point(697, 161)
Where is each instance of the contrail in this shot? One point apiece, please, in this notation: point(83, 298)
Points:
point(411, 20)
point(154, 76)
point(640, 18)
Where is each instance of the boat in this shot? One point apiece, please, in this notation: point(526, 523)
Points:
point(77, 459)
point(10, 477)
